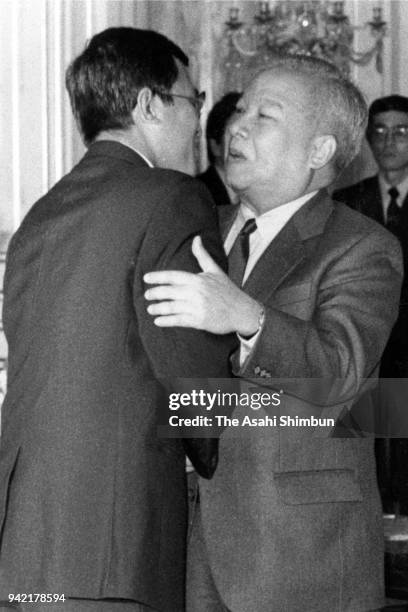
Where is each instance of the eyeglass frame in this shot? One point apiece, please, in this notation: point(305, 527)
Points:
point(197, 102)
point(399, 132)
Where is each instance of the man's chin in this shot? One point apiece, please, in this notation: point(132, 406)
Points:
point(235, 180)
point(390, 163)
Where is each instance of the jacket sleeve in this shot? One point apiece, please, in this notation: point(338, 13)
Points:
point(355, 306)
point(181, 358)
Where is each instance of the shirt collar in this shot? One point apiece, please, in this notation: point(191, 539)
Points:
point(384, 188)
point(148, 162)
point(279, 215)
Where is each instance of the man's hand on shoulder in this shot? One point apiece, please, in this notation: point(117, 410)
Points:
point(209, 300)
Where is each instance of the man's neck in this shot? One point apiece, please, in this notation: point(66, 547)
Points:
point(126, 139)
point(394, 177)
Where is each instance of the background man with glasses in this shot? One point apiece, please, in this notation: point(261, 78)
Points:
point(92, 502)
point(384, 197)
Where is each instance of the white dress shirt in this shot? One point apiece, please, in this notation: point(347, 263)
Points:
point(268, 226)
point(148, 162)
point(385, 196)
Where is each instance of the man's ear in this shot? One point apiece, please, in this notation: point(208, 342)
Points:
point(148, 107)
point(323, 150)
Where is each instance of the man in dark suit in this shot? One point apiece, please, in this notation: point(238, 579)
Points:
point(384, 198)
point(93, 504)
point(214, 176)
point(292, 519)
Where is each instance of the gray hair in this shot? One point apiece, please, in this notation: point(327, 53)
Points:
point(336, 105)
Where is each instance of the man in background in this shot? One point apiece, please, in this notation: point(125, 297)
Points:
point(93, 503)
point(384, 198)
point(214, 176)
point(292, 519)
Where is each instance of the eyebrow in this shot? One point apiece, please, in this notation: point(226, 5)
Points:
point(262, 100)
point(272, 102)
point(379, 124)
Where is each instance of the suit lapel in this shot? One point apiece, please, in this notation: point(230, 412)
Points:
point(284, 253)
point(373, 203)
point(404, 229)
point(288, 249)
point(405, 208)
point(365, 197)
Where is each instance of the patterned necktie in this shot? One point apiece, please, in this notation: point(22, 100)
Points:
point(239, 253)
point(393, 212)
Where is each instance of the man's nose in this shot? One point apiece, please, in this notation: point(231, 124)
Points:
point(390, 137)
point(239, 126)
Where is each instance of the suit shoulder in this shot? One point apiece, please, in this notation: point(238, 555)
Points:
point(178, 180)
point(153, 181)
point(208, 177)
point(183, 193)
point(203, 176)
point(358, 225)
point(142, 192)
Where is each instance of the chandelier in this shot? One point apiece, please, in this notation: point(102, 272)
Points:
point(313, 27)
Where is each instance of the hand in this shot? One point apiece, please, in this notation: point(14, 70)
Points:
point(208, 300)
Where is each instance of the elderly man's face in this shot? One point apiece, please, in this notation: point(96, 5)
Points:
point(389, 140)
point(270, 140)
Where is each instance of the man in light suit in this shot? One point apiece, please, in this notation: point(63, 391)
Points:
point(292, 519)
point(93, 502)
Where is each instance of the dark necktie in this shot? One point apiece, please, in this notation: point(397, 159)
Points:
point(393, 212)
point(239, 253)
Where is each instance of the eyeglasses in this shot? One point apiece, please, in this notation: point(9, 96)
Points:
point(197, 102)
point(398, 132)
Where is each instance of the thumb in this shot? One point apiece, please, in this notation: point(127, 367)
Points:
point(205, 261)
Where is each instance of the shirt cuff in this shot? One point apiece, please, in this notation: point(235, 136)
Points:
point(247, 344)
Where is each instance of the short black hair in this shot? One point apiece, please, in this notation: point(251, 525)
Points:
point(104, 81)
point(218, 118)
point(383, 105)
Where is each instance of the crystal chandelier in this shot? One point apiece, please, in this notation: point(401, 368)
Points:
point(313, 27)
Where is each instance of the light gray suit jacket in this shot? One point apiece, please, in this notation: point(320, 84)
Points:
point(292, 518)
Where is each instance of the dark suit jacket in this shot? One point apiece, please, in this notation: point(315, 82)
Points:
point(92, 500)
point(365, 197)
point(215, 185)
point(292, 518)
